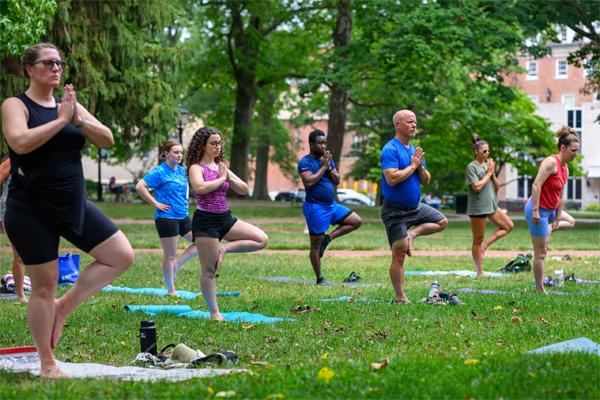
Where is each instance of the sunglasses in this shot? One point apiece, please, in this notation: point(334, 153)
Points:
point(49, 64)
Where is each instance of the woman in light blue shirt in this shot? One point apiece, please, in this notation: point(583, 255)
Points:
point(171, 193)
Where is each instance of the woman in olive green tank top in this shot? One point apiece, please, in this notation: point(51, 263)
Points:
point(481, 179)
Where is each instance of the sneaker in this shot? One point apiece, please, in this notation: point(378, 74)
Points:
point(433, 300)
point(352, 277)
point(454, 300)
point(324, 243)
point(320, 280)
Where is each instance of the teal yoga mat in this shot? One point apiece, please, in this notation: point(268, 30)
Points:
point(183, 294)
point(186, 311)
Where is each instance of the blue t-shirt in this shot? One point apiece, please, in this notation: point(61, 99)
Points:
point(406, 193)
point(170, 187)
point(322, 191)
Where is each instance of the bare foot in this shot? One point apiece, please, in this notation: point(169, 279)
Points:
point(409, 244)
point(217, 316)
point(542, 290)
point(401, 300)
point(59, 322)
point(481, 274)
point(23, 299)
point(52, 372)
point(220, 256)
point(172, 293)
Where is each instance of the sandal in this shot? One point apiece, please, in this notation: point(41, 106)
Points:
point(352, 277)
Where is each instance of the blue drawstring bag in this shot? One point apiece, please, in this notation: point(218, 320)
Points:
point(68, 269)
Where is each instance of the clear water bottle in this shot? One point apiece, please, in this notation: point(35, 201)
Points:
point(434, 290)
point(559, 278)
point(148, 337)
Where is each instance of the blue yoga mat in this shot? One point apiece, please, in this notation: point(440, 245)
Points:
point(183, 294)
point(238, 317)
point(159, 309)
point(186, 311)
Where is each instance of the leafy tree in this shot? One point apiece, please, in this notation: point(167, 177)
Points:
point(447, 62)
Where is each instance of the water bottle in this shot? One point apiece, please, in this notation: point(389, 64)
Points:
point(148, 337)
point(434, 291)
point(559, 278)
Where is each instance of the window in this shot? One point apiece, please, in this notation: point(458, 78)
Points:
point(532, 70)
point(574, 188)
point(574, 120)
point(563, 34)
point(588, 69)
point(568, 100)
point(561, 69)
point(524, 187)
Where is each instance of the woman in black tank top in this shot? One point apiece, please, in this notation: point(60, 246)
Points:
point(46, 199)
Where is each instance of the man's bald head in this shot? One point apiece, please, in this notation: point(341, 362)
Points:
point(402, 115)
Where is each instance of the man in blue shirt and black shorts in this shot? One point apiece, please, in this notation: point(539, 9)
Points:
point(319, 176)
point(404, 170)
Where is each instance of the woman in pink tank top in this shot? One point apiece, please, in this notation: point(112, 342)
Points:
point(210, 178)
point(543, 211)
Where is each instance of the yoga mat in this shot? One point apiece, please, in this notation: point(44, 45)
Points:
point(183, 294)
point(313, 282)
point(158, 309)
point(350, 299)
point(463, 272)
point(186, 311)
point(237, 317)
point(30, 362)
point(8, 296)
point(491, 291)
point(581, 344)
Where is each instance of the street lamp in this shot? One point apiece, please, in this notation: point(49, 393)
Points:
point(183, 117)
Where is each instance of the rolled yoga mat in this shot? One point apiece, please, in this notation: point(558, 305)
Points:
point(183, 294)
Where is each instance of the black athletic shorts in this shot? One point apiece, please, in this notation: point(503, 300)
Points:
point(480, 216)
point(215, 225)
point(168, 227)
point(36, 237)
point(398, 220)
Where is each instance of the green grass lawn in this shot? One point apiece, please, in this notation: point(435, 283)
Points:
point(427, 346)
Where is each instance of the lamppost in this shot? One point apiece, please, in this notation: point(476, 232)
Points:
point(183, 116)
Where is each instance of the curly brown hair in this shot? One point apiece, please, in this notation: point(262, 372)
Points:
point(566, 135)
point(197, 145)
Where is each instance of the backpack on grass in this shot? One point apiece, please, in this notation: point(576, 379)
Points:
point(521, 263)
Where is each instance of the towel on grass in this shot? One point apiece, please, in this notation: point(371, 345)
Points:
point(183, 294)
point(462, 272)
point(313, 282)
point(30, 362)
point(186, 311)
point(581, 344)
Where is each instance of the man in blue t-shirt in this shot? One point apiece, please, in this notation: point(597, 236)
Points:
point(404, 170)
point(319, 177)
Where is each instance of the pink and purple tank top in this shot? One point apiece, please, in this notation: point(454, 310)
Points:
point(215, 201)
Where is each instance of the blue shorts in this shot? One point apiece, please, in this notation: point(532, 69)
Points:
point(320, 216)
point(546, 218)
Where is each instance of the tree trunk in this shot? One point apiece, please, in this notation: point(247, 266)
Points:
point(338, 100)
point(242, 124)
point(261, 189)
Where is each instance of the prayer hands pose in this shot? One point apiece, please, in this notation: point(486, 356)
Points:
point(491, 168)
point(417, 158)
point(326, 159)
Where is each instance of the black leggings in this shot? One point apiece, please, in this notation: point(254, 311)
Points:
point(36, 237)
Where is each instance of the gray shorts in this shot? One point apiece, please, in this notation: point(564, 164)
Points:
point(398, 220)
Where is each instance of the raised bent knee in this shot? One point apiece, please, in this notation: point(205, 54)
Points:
point(127, 257)
point(478, 240)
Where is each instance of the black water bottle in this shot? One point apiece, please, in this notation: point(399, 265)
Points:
point(148, 337)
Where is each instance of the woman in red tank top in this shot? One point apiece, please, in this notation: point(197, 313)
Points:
point(543, 211)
